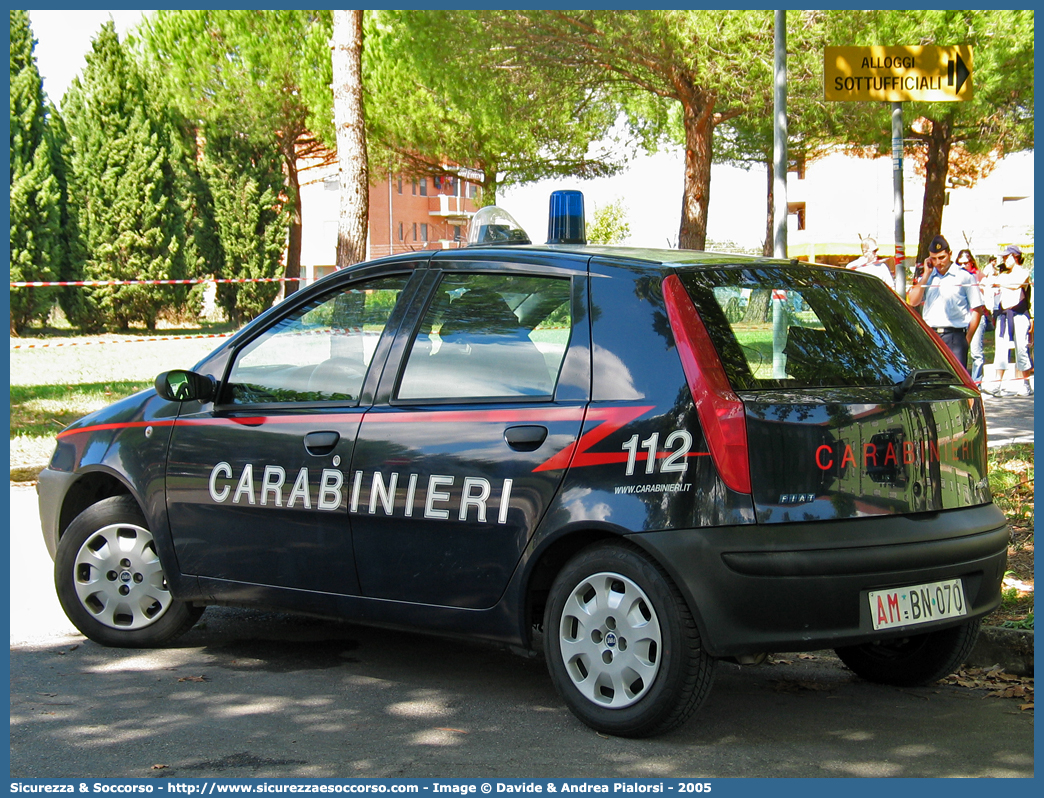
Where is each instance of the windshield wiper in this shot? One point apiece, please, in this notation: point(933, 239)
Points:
point(916, 376)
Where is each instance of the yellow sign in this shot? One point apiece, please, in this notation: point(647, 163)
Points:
point(898, 74)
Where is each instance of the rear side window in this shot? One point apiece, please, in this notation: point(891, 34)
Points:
point(489, 336)
point(781, 327)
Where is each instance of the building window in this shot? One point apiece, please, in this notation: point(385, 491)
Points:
point(456, 232)
point(414, 231)
point(424, 186)
point(437, 182)
point(473, 191)
point(424, 232)
point(400, 184)
point(415, 187)
point(796, 216)
point(400, 231)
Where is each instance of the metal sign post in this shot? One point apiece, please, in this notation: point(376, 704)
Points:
point(898, 207)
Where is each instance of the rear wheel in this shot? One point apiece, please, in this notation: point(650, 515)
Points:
point(621, 645)
point(110, 581)
point(914, 660)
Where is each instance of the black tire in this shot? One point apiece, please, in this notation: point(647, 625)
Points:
point(622, 646)
point(110, 581)
point(914, 660)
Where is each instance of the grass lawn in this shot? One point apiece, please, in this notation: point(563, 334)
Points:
point(1011, 481)
point(53, 385)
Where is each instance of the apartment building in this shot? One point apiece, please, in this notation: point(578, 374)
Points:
point(406, 214)
point(839, 199)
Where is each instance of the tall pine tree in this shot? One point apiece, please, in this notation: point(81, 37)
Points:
point(249, 70)
point(124, 187)
point(36, 251)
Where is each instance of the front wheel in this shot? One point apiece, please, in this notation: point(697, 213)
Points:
point(110, 581)
point(622, 646)
point(914, 660)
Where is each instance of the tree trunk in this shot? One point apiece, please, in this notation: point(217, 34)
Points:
point(936, 169)
point(759, 307)
point(698, 119)
point(292, 272)
point(490, 185)
point(768, 246)
point(353, 220)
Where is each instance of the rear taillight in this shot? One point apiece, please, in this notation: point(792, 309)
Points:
point(720, 410)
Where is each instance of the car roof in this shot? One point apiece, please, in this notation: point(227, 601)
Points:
point(578, 255)
point(650, 256)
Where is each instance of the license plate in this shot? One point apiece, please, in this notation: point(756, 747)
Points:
point(906, 606)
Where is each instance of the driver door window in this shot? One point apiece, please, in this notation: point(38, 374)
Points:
point(320, 352)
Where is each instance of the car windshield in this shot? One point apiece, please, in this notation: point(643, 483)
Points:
point(800, 326)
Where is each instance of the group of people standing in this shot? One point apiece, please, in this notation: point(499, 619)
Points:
point(962, 304)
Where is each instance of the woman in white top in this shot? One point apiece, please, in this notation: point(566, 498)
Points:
point(1013, 322)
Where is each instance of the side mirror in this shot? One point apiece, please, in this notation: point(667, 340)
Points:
point(185, 386)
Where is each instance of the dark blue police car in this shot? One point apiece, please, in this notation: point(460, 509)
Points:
point(642, 461)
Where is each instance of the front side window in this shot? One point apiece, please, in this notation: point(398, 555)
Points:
point(490, 336)
point(318, 353)
point(809, 327)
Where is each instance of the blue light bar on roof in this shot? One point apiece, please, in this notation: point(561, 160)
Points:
point(565, 221)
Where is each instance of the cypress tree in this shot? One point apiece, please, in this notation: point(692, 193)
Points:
point(202, 243)
point(124, 188)
point(71, 244)
point(245, 183)
point(36, 251)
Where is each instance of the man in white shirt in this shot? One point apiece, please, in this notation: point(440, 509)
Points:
point(871, 263)
point(953, 304)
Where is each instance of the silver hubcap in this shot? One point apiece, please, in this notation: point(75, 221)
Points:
point(610, 640)
point(118, 577)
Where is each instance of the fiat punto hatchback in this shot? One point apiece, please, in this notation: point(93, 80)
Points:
point(638, 462)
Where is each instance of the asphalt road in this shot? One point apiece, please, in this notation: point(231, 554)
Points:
point(248, 694)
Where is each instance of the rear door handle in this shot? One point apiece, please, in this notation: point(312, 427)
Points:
point(526, 438)
point(320, 443)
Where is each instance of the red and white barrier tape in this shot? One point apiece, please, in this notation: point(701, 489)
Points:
point(194, 281)
point(324, 332)
point(123, 341)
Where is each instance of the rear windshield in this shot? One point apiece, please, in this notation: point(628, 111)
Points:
point(800, 326)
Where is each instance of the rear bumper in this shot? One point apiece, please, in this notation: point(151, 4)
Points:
point(802, 587)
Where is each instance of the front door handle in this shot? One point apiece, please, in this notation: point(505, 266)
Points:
point(320, 443)
point(525, 438)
